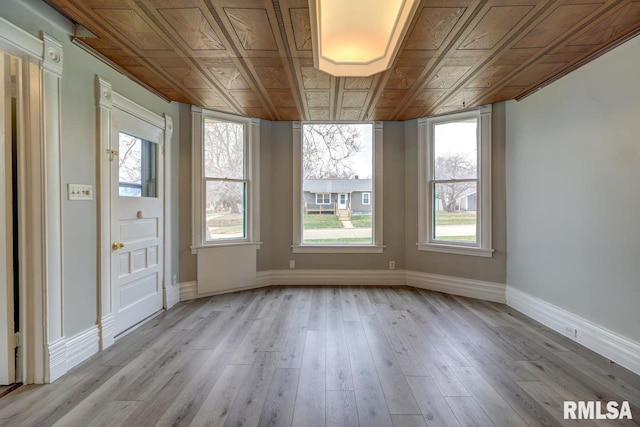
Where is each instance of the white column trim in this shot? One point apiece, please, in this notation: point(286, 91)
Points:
point(39, 199)
point(297, 183)
point(254, 178)
point(378, 200)
point(52, 185)
point(105, 304)
point(196, 179)
point(170, 296)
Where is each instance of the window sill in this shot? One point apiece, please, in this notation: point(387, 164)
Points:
point(456, 250)
point(195, 249)
point(333, 249)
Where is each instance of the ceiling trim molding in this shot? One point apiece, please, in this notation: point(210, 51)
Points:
point(91, 51)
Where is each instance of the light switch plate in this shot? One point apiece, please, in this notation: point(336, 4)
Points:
point(80, 191)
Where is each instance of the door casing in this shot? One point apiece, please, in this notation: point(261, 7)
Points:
point(107, 101)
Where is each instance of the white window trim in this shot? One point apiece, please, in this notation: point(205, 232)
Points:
point(376, 198)
point(368, 203)
point(322, 203)
point(425, 172)
point(198, 240)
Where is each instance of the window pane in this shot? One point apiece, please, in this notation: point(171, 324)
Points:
point(456, 150)
point(337, 169)
point(223, 149)
point(455, 212)
point(225, 208)
point(137, 167)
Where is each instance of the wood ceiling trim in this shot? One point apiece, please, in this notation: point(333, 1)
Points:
point(594, 55)
point(87, 15)
point(287, 38)
point(469, 17)
point(254, 58)
point(530, 59)
point(78, 42)
point(589, 22)
point(447, 103)
point(104, 31)
point(247, 70)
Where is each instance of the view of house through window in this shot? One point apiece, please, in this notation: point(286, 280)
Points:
point(225, 183)
point(337, 183)
point(455, 181)
point(137, 167)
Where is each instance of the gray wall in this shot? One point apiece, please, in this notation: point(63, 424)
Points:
point(79, 131)
point(470, 267)
point(573, 169)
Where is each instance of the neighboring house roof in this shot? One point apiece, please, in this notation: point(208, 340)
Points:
point(336, 185)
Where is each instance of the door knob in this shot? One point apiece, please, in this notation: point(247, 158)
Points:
point(117, 245)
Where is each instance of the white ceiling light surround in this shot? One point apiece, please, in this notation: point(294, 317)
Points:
point(358, 38)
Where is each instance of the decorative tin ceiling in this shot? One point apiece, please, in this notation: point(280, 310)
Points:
point(253, 57)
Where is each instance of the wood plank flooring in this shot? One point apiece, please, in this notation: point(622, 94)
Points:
point(330, 356)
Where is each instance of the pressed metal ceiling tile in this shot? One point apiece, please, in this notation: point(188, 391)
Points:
point(253, 57)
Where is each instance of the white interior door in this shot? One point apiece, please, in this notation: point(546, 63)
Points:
point(137, 220)
point(7, 348)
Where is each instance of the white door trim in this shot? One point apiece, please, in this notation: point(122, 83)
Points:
point(39, 201)
point(107, 101)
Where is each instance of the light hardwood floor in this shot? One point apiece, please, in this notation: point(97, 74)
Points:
point(334, 356)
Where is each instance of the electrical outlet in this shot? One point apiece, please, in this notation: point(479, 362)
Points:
point(292, 264)
point(392, 265)
point(80, 192)
point(571, 331)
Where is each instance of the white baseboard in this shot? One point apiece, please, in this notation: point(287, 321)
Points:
point(488, 291)
point(453, 285)
point(57, 359)
point(188, 290)
point(65, 353)
point(171, 296)
point(82, 346)
point(334, 277)
point(609, 344)
point(106, 330)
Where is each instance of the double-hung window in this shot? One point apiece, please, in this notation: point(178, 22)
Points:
point(455, 183)
point(225, 173)
point(323, 198)
point(337, 187)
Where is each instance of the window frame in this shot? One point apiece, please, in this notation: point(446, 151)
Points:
point(368, 202)
point(323, 198)
point(426, 241)
point(198, 180)
point(377, 245)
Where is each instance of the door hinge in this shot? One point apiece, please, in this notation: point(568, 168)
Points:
point(17, 340)
point(113, 154)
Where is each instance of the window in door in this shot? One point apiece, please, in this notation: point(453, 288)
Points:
point(137, 169)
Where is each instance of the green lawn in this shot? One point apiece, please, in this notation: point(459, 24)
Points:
point(361, 221)
point(226, 223)
point(455, 218)
point(344, 240)
point(317, 221)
